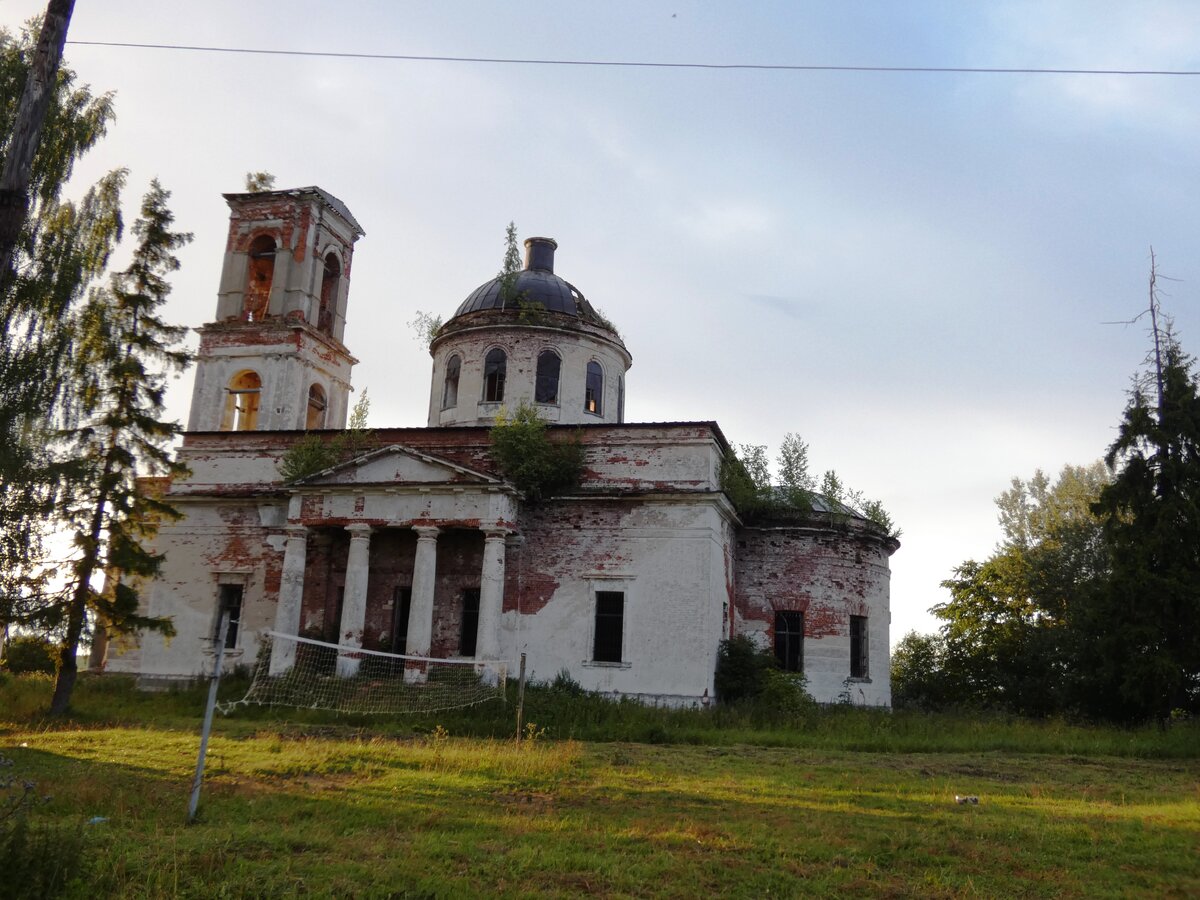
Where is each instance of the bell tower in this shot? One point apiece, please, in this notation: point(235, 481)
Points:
point(274, 358)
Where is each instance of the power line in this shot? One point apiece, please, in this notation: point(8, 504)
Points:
point(601, 63)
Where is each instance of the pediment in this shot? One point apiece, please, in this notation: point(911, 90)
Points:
point(397, 465)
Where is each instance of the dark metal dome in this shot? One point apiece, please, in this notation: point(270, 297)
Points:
point(534, 287)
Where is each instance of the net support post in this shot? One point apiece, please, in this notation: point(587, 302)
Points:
point(521, 697)
point(206, 728)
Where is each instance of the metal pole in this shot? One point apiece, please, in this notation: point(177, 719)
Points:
point(222, 631)
point(521, 697)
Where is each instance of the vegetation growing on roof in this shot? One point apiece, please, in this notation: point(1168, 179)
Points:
point(314, 453)
point(746, 479)
point(537, 466)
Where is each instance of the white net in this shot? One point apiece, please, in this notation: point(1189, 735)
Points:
point(301, 672)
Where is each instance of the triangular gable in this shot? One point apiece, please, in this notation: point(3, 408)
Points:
point(396, 464)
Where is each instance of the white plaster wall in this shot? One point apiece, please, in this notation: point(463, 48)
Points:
point(665, 557)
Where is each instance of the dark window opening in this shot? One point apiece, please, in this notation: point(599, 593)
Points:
point(229, 600)
point(858, 647)
point(620, 398)
point(610, 626)
point(470, 622)
point(330, 280)
point(450, 385)
point(494, 366)
point(593, 397)
point(258, 282)
point(548, 367)
point(789, 640)
point(401, 606)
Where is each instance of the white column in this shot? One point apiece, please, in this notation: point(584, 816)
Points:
point(420, 611)
point(491, 595)
point(354, 600)
point(291, 598)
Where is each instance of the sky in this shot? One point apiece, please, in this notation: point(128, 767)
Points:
point(916, 272)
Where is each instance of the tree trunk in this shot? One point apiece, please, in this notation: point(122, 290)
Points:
point(27, 130)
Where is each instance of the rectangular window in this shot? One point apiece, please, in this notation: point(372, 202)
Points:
point(789, 640)
point(470, 622)
point(229, 599)
point(610, 626)
point(858, 647)
point(401, 605)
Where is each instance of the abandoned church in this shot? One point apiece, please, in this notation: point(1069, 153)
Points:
point(416, 543)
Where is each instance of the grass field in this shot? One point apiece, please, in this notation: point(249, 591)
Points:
point(331, 808)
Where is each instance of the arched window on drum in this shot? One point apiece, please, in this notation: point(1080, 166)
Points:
point(495, 364)
point(549, 366)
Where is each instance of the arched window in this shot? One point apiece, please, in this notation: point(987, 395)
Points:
point(494, 366)
point(546, 387)
point(450, 384)
point(329, 292)
point(593, 397)
point(242, 402)
point(316, 407)
point(620, 398)
point(258, 281)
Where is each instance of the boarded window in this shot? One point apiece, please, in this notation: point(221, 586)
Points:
point(450, 385)
point(229, 600)
point(494, 366)
point(789, 640)
point(257, 298)
point(548, 367)
point(469, 631)
point(242, 402)
point(610, 626)
point(316, 407)
point(859, 647)
point(593, 397)
point(330, 280)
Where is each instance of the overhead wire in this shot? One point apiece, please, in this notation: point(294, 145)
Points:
point(601, 63)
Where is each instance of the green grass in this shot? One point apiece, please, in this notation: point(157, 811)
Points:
point(847, 804)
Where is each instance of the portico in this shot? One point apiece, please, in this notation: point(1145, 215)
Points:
point(361, 563)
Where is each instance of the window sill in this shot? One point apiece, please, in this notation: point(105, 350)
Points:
point(598, 664)
point(230, 653)
point(853, 680)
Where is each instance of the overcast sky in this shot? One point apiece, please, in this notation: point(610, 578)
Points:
point(911, 271)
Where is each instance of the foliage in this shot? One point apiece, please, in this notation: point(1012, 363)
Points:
point(1010, 622)
point(37, 860)
point(259, 182)
point(63, 248)
point(537, 466)
point(510, 266)
point(314, 453)
point(742, 669)
point(118, 438)
point(29, 653)
point(1143, 627)
point(920, 679)
point(425, 327)
point(745, 477)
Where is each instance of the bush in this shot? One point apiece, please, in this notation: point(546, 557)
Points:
point(537, 466)
point(28, 653)
point(742, 669)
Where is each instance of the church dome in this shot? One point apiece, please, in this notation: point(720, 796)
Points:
point(534, 287)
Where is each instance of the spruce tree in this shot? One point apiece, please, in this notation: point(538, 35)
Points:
point(1142, 632)
point(124, 350)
